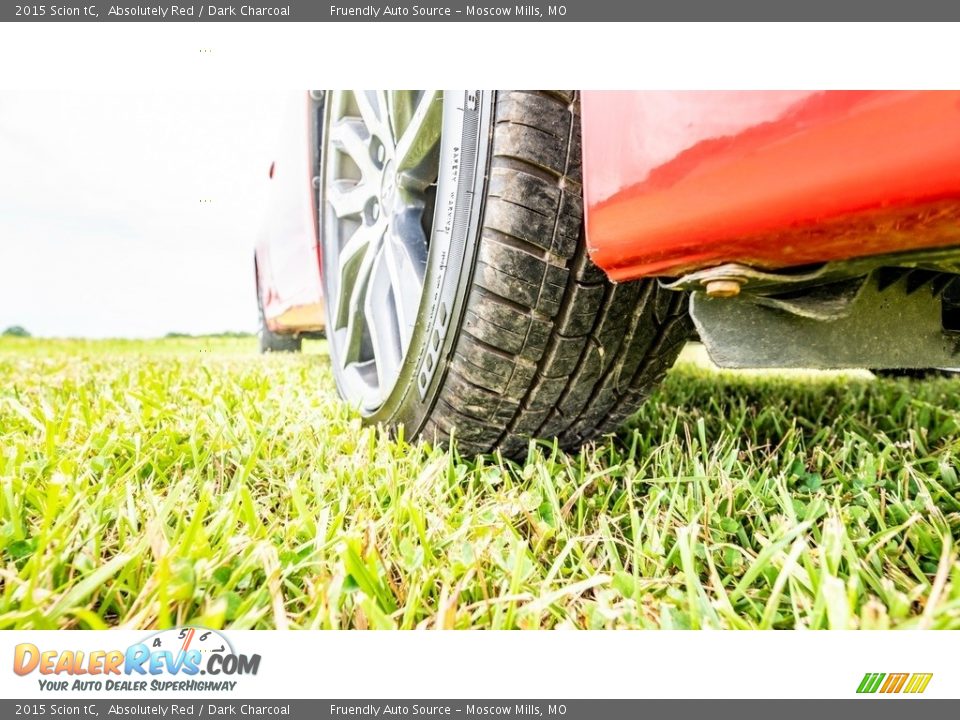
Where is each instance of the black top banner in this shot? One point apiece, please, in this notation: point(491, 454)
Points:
point(483, 11)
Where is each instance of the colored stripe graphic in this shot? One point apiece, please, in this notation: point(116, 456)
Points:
point(918, 683)
point(894, 683)
point(870, 682)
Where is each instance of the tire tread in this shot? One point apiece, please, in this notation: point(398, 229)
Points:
point(548, 347)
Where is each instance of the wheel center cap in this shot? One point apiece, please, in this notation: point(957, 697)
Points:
point(388, 187)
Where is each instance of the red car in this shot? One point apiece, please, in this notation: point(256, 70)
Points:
point(496, 272)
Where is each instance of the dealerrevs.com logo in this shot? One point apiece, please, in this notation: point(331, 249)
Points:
point(169, 660)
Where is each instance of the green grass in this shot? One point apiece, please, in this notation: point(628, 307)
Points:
point(152, 483)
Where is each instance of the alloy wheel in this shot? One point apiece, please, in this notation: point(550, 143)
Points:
point(381, 157)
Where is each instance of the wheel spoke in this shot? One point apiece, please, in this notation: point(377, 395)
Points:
point(406, 256)
point(353, 337)
point(384, 331)
point(374, 110)
point(407, 291)
point(349, 198)
point(417, 148)
point(402, 104)
point(351, 136)
point(354, 263)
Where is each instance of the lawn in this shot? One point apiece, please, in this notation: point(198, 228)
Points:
point(153, 483)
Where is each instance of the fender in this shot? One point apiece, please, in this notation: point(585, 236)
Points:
point(679, 181)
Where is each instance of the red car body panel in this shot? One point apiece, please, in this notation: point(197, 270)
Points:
point(287, 252)
point(679, 181)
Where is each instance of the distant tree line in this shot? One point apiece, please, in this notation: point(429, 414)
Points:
point(21, 332)
point(225, 334)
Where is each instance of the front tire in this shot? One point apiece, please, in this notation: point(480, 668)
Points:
point(462, 301)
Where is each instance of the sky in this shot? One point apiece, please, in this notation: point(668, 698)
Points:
point(102, 228)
